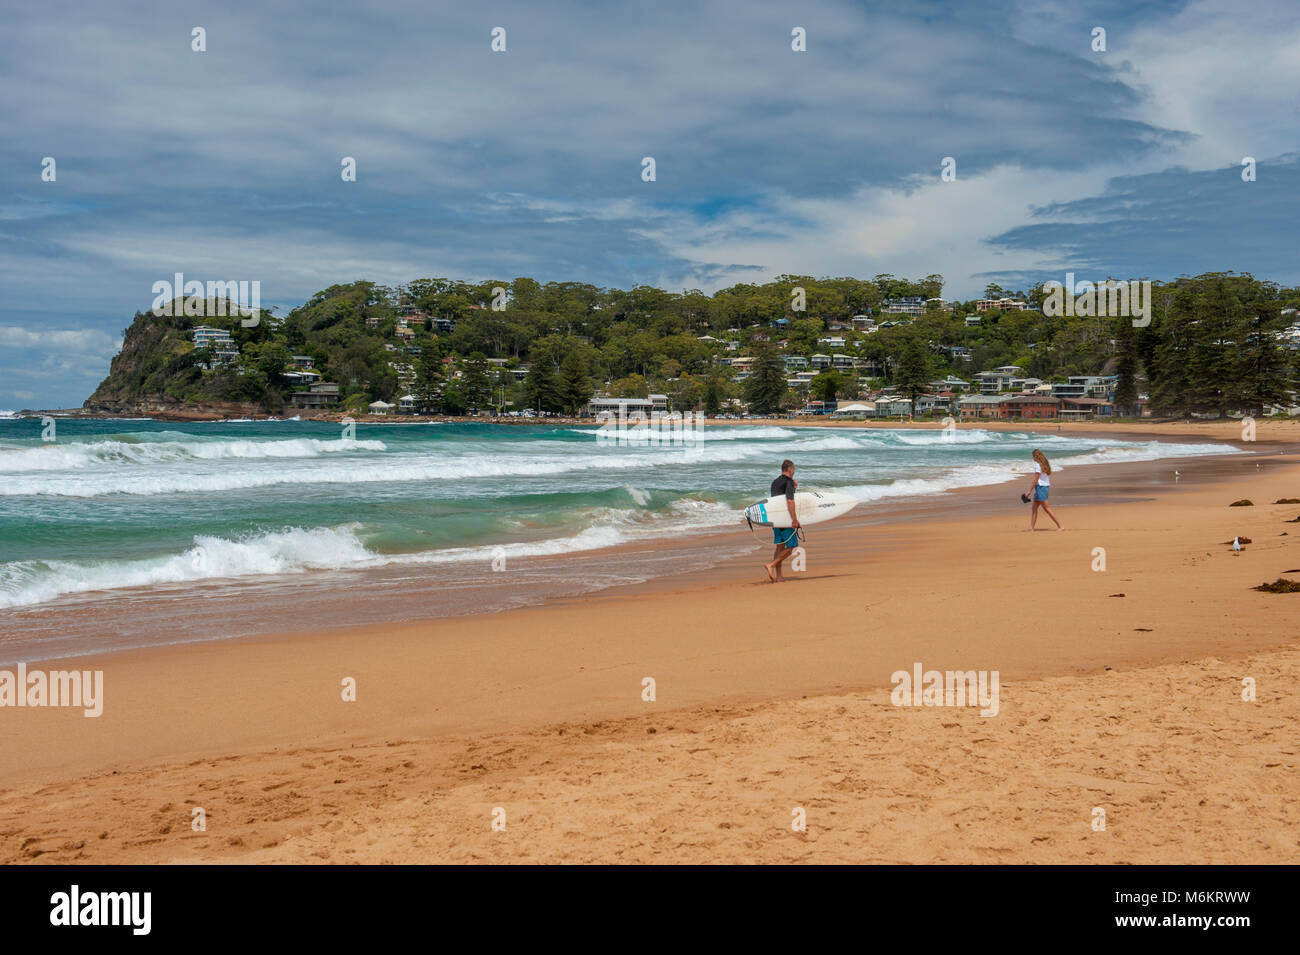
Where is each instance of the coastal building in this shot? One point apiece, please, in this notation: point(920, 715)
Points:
point(992, 382)
point(980, 406)
point(863, 323)
point(1087, 386)
point(951, 383)
point(381, 407)
point(857, 409)
point(1082, 409)
point(1031, 406)
point(832, 341)
point(302, 362)
point(223, 347)
point(887, 406)
point(794, 362)
point(625, 407)
point(1004, 304)
point(842, 362)
point(912, 305)
point(926, 404)
point(821, 361)
point(323, 394)
point(301, 377)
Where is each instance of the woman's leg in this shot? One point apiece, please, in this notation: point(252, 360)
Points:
point(1033, 514)
point(1052, 516)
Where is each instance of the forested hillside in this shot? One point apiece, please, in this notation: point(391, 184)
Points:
point(1216, 343)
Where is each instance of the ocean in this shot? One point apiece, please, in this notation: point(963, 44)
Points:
point(187, 531)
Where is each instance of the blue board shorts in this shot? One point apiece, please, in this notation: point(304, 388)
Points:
point(1040, 492)
point(787, 536)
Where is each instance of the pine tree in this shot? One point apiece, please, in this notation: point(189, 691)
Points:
point(712, 396)
point(575, 384)
point(475, 385)
point(428, 384)
point(912, 374)
point(765, 387)
point(1126, 367)
point(541, 388)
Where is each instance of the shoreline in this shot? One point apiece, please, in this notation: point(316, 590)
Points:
point(1282, 429)
point(224, 604)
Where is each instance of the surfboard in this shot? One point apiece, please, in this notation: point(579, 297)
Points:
point(813, 507)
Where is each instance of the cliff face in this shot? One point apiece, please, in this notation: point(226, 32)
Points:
point(156, 374)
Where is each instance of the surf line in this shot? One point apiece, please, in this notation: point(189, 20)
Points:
point(72, 688)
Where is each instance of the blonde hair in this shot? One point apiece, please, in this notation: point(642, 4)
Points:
point(1041, 458)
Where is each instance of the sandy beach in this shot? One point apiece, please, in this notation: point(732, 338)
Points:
point(1121, 680)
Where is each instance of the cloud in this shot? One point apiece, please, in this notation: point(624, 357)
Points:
point(474, 164)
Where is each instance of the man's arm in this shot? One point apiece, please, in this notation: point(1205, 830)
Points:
point(789, 503)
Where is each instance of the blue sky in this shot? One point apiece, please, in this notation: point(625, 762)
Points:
point(473, 164)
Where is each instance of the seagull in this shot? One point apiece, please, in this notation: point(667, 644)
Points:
point(1236, 544)
point(1177, 475)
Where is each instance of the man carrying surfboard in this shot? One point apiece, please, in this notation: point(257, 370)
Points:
point(787, 538)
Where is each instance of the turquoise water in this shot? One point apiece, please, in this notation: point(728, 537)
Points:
point(121, 504)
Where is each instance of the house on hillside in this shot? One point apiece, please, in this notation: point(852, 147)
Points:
point(1031, 406)
point(323, 394)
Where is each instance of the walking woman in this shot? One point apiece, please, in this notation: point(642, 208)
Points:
point(1040, 488)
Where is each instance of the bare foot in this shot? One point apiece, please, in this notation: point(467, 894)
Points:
point(770, 576)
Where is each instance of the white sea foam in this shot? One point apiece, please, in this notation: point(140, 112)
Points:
point(129, 450)
point(296, 551)
point(938, 436)
point(709, 432)
point(197, 476)
point(292, 550)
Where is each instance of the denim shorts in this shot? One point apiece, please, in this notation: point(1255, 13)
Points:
point(1040, 492)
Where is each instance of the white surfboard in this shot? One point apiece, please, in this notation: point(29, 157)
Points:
point(812, 507)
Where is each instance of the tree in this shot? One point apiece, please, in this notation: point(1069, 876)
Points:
point(574, 385)
point(453, 399)
point(912, 375)
point(271, 359)
point(827, 385)
point(633, 386)
point(712, 396)
point(765, 387)
point(1126, 366)
point(428, 384)
point(475, 385)
point(541, 387)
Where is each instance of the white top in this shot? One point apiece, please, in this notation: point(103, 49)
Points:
point(1044, 480)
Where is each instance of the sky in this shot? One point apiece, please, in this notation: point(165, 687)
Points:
point(479, 164)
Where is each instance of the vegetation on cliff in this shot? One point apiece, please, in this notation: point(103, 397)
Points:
point(1215, 343)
